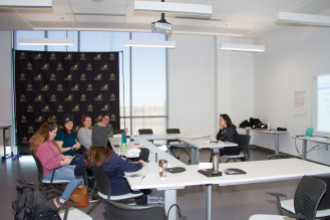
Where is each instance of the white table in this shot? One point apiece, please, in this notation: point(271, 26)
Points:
point(320, 140)
point(262, 171)
point(196, 142)
point(257, 171)
point(272, 132)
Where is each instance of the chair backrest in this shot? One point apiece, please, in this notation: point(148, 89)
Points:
point(325, 201)
point(244, 141)
point(40, 170)
point(102, 181)
point(121, 211)
point(173, 131)
point(145, 131)
point(308, 195)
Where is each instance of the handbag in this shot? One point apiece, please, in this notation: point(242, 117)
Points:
point(80, 194)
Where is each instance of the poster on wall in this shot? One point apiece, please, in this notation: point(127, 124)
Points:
point(299, 102)
point(53, 84)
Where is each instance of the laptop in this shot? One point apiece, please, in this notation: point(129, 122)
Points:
point(309, 132)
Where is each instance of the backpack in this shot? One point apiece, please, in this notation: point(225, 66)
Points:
point(31, 204)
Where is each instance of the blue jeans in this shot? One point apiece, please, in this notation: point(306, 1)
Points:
point(66, 173)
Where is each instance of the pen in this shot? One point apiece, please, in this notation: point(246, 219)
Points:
point(143, 177)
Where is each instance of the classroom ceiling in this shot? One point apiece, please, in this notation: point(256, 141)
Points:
point(246, 18)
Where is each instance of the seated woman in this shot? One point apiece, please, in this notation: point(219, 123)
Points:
point(228, 132)
point(105, 158)
point(67, 140)
point(102, 131)
point(85, 134)
point(46, 149)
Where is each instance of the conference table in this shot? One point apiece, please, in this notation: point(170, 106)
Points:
point(256, 172)
point(319, 140)
point(194, 141)
point(269, 132)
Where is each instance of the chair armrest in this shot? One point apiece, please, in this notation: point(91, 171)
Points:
point(278, 200)
point(296, 216)
point(277, 194)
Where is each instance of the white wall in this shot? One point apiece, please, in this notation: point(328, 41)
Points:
point(205, 81)
point(5, 85)
point(294, 55)
point(5, 75)
point(192, 84)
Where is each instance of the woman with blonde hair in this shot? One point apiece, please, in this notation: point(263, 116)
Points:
point(48, 152)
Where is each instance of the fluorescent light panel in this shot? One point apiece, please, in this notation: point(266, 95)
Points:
point(150, 43)
point(303, 18)
point(46, 41)
point(170, 7)
point(26, 3)
point(243, 47)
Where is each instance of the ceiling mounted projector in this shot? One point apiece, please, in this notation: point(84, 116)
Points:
point(161, 26)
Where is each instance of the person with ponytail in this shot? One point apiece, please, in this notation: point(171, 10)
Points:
point(44, 147)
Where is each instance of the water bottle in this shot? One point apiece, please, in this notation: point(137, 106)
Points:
point(215, 161)
point(123, 147)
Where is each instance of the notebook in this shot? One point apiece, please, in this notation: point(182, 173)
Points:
point(309, 132)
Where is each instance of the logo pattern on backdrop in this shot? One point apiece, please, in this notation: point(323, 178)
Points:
point(53, 84)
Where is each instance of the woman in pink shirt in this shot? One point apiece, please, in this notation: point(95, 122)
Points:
point(45, 148)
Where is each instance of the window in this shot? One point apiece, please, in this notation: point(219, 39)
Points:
point(149, 85)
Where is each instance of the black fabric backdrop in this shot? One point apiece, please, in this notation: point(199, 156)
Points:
point(59, 83)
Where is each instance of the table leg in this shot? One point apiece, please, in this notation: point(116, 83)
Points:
point(208, 202)
point(304, 150)
point(194, 155)
point(170, 199)
point(4, 143)
point(277, 148)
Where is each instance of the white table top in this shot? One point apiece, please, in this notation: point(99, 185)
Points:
point(207, 143)
point(194, 140)
point(262, 130)
point(321, 140)
point(257, 171)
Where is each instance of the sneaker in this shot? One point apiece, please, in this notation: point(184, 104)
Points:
point(57, 202)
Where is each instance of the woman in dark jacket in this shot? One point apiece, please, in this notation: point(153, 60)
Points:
point(228, 132)
point(114, 166)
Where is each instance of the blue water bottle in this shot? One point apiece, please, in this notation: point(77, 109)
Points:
point(123, 147)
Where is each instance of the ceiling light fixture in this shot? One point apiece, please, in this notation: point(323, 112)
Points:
point(243, 47)
point(46, 41)
point(26, 3)
point(298, 18)
point(150, 43)
point(171, 7)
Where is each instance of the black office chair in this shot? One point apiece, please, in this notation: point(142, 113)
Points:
point(121, 211)
point(178, 145)
point(103, 186)
point(244, 141)
point(323, 210)
point(145, 131)
point(306, 200)
point(48, 187)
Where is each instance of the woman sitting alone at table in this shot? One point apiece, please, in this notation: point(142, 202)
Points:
point(114, 166)
point(229, 133)
point(48, 152)
point(85, 134)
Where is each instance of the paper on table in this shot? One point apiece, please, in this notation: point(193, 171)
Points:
point(202, 166)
